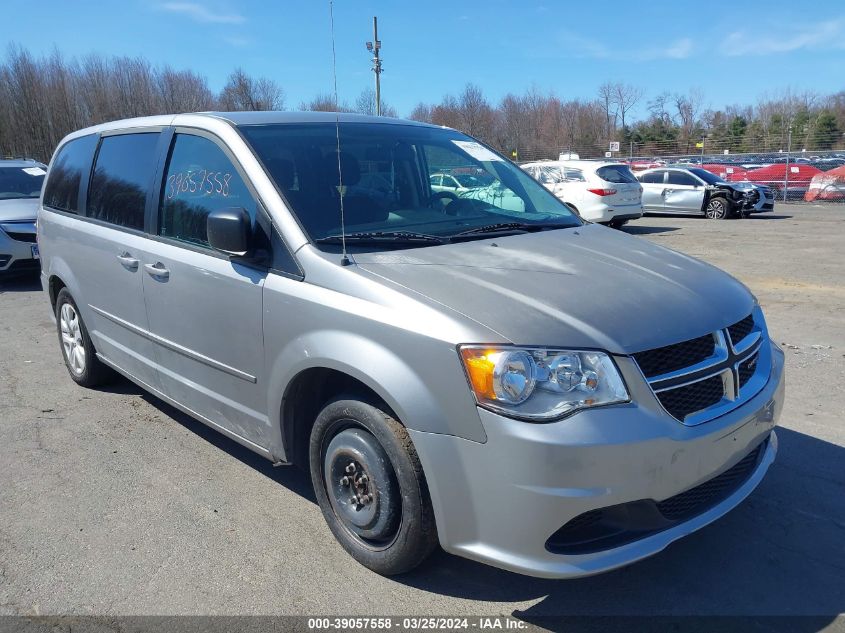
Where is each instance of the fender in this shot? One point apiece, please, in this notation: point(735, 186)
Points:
point(420, 401)
point(58, 267)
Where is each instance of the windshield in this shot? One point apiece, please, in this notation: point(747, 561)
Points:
point(709, 177)
point(21, 182)
point(398, 179)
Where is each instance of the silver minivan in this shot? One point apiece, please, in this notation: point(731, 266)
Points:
point(518, 386)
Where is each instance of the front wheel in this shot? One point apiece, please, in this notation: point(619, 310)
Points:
point(717, 208)
point(370, 487)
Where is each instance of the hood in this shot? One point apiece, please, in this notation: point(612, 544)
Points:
point(585, 287)
point(18, 209)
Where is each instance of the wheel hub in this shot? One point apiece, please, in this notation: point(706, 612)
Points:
point(359, 484)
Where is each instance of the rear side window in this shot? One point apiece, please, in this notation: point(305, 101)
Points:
point(200, 179)
point(122, 177)
point(616, 173)
point(653, 177)
point(73, 159)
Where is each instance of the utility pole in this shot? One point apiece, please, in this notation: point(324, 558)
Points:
point(374, 47)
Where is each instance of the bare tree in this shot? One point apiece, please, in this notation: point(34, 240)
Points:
point(421, 112)
point(366, 104)
point(625, 97)
point(242, 92)
point(606, 98)
point(324, 102)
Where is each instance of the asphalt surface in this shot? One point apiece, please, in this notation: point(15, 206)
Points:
point(112, 502)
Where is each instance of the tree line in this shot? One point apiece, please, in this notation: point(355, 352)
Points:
point(538, 124)
point(44, 98)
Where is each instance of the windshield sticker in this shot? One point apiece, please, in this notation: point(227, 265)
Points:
point(477, 151)
point(34, 171)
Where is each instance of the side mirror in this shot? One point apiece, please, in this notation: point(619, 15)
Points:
point(229, 230)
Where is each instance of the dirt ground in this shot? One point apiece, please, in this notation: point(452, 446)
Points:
point(111, 502)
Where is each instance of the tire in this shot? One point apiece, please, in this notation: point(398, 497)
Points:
point(393, 531)
point(617, 224)
point(78, 351)
point(718, 208)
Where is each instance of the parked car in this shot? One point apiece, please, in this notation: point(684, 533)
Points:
point(604, 192)
point(696, 191)
point(20, 186)
point(527, 389)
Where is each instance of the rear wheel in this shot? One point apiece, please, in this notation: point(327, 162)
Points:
point(617, 224)
point(717, 208)
point(77, 349)
point(370, 487)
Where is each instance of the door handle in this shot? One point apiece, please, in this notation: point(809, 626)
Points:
point(157, 270)
point(129, 262)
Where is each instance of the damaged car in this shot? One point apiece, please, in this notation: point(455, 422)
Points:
point(696, 191)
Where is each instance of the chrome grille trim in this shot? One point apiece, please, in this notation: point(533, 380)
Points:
point(725, 362)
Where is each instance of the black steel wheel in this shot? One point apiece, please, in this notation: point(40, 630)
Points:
point(370, 486)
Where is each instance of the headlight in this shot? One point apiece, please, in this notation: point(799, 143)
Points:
point(541, 384)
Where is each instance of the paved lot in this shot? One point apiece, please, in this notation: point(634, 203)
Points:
point(111, 502)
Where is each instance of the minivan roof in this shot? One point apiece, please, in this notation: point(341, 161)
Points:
point(246, 118)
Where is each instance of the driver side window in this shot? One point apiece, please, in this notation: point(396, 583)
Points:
point(199, 179)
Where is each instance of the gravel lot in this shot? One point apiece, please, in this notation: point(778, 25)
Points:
point(112, 502)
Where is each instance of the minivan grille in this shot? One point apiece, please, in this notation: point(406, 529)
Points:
point(747, 368)
point(693, 397)
point(663, 360)
point(741, 329)
point(699, 379)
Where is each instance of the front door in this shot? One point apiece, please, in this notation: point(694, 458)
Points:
point(683, 193)
point(205, 309)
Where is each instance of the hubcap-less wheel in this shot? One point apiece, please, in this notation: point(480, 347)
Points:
point(72, 339)
point(361, 487)
point(716, 209)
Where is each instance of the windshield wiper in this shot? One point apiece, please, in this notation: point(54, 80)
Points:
point(504, 227)
point(382, 236)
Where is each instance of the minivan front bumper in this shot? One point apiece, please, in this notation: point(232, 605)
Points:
point(500, 502)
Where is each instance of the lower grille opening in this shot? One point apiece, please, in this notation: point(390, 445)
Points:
point(614, 526)
point(22, 237)
point(22, 266)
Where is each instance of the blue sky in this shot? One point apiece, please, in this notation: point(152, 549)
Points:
point(733, 51)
